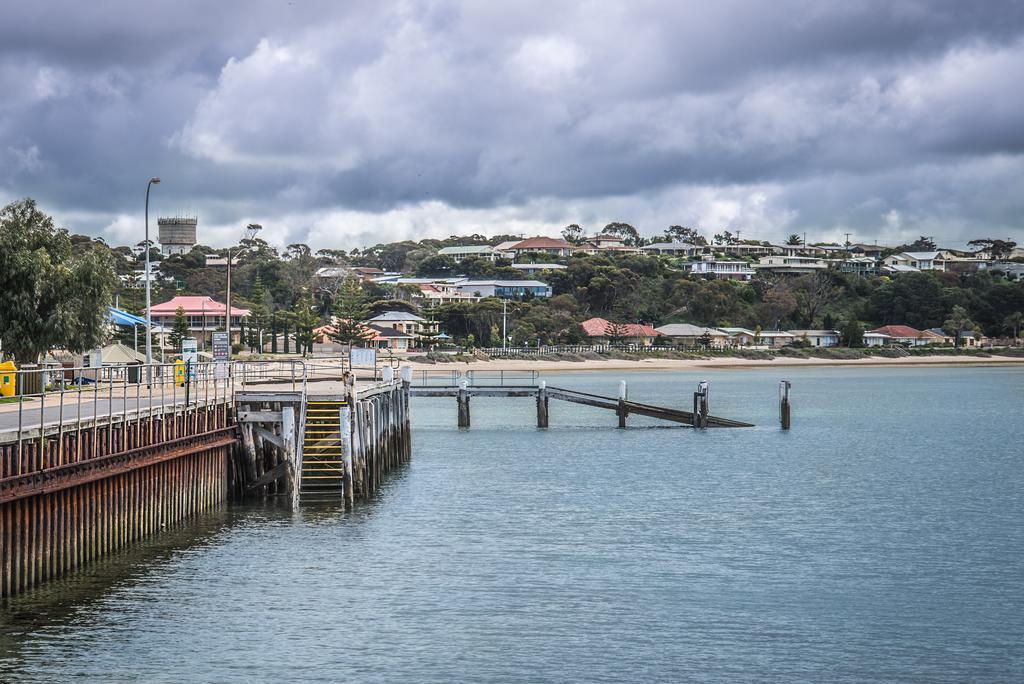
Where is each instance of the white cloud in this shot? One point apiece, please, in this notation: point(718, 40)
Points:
point(547, 62)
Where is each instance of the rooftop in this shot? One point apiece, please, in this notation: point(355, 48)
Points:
point(397, 316)
point(541, 243)
point(601, 327)
point(195, 305)
point(897, 331)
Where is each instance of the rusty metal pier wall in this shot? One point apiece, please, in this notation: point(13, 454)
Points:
point(75, 490)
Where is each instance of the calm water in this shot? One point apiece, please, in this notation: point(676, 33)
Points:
point(881, 539)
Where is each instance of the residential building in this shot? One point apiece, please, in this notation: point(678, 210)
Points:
point(442, 293)
point(873, 339)
point(367, 273)
point(384, 337)
point(817, 338)
point(678, 249)
point(937, 336)
point(458, 254)
point(205, 316)
point(545, 245)
point(745, 250)
point(860, 265)
point(744, 337)
point(687, 335)
point(505, 289)
point(791, 265)
point(1013, 270)
point(864, 250)
point(605, 242)
point(919, 261)
point(534, 269)
point(722, 270)
point(603, 331)
point(137, 278)
point(904, 334)
point(404, 322)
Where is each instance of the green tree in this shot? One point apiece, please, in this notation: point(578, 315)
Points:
point(350, 310)
point(179, 330)
point(1013, 323)
point(628, 233)
point(572, 234)
point(794, 240)
point(684, 234)
point(958, 322)
point(304, 318)
point(726, 238)
point(995, 247)
point(52, 297)
point(852, 333)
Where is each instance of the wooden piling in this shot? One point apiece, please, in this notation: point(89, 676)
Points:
point(463, 403)
point(784, 405)
point(542, 405)
point(621, 411)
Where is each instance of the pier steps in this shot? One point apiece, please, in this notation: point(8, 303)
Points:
point(323, 471)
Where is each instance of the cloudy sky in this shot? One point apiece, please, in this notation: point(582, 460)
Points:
point(345, 124)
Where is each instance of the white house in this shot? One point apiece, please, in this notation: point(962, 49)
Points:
point(505, 289)
point(920, 261)
point(817, 338)
point(873, 339)
point(534, 269)
point(791, 265)
point(458, 254)
point(744, 337)
point(689, 335)
point(722, 270)
point(675, 249)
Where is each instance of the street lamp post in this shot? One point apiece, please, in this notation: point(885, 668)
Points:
point(149, 303)
point(250, 233)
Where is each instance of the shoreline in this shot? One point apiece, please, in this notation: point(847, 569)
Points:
point(716, 364)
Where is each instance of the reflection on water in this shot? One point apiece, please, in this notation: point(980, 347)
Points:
point(881, 539)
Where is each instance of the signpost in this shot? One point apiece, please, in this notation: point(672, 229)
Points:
point(363, 358)
point(221, 355)
point(190, 355)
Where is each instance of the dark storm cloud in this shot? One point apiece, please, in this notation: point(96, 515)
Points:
point(323, 119)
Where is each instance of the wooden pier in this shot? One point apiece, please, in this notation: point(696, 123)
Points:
point(103, 457)
point(542, 394)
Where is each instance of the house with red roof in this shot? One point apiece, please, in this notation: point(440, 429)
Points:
point(904, 334)
point(603, 331)
point(205, 316)
point(544, 245)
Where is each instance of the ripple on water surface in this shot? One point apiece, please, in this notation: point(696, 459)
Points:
point(881, 539)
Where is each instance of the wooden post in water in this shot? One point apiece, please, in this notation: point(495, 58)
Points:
point(406, 388)
point(345, 431)
point(293, 480)
point(700, 405)
point(784, 404)
point(542, 405)
point(622, 411)
point(463, 399)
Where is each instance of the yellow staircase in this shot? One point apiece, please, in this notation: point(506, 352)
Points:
point(323, 472)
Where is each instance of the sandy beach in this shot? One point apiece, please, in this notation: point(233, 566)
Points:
point(719, 363)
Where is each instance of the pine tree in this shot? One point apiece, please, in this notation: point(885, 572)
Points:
point(305, 318)
point(180, 330)
point(350, 310)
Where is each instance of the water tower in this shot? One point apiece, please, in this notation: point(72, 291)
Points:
point(177, 234)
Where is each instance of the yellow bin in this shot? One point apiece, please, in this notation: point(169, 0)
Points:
point(179, 372)
point(8, 373)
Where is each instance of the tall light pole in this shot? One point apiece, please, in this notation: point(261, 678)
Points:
point(149, 302)
point(250, 233)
